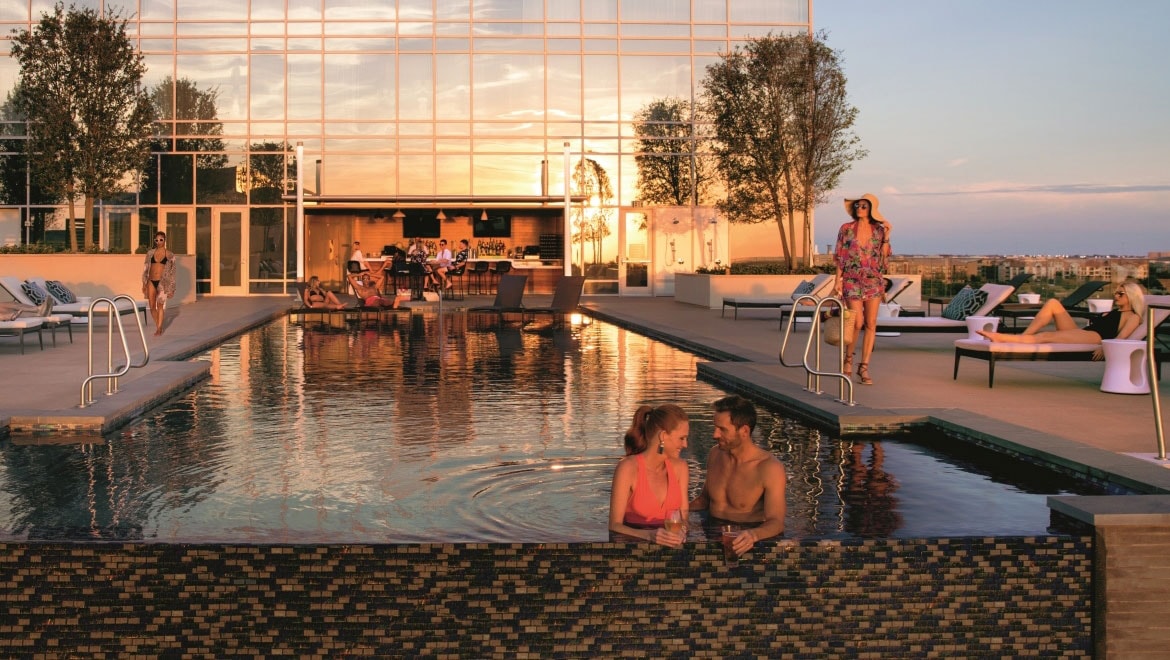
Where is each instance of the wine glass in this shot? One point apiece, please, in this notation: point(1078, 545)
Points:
point(674, 521)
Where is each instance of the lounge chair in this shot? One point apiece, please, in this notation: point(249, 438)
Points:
point(895, 286)
point(1073, 302)
point(21, 326)
point(509, 296)
point(1015, 283)
point(815, 287)
point(996, 295)
point(566, 298)
point(993, 351)
point(23, 292)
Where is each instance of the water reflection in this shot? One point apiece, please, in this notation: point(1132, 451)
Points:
point(460, 428)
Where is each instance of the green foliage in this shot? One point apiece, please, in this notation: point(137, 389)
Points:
point(672, 167)
point(32, 248)
point(89, 121)
point(782, 132)
point(764, 268)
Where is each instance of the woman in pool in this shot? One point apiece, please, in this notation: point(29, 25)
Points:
point(651, 480)
point(318, 298)
point(158, 279)
point(861, 256)
point(1130, 303)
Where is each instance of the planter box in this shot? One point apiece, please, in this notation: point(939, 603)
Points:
point(709, 290)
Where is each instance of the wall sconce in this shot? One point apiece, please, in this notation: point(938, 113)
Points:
point(398, 215)
point(441, 215)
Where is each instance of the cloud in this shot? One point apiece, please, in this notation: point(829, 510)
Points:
point(957, 162)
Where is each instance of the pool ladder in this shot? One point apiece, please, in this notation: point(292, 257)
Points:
point(114, 317)
point(813, 372)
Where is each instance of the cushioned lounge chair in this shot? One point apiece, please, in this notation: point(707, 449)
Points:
point(896, 286)
point(996, 295)
point(79, 311)
point(1073, 302)
point(566, 298)
point(994, 351)
point(21, 326)
point(815, 287)
point(61, 296)
point(509, 296)
point(1015, 283)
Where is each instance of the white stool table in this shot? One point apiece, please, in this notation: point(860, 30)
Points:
point(1125, 367)
point(981, 323)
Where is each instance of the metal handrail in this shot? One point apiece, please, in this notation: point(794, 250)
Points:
point(113, 316)
point(1151, 375)
point(813, 375)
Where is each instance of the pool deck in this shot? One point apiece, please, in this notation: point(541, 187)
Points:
point(1050, 409)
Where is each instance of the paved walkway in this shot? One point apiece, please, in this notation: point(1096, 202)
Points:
point(1049, 409)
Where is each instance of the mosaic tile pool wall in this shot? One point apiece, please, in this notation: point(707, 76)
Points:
point(991, 597)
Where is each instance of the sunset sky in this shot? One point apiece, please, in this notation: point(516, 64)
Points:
point(1008, 126)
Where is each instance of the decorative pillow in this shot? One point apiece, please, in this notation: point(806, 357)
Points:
point(965, 303)
point(804, 287)
point(35, 293)
point(60, 292)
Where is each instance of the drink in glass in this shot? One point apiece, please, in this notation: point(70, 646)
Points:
point(674, 521)
point(729, 534)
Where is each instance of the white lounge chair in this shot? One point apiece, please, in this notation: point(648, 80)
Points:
point(815, 287)
point(21, 326)
point(995, 351)
point(997, 294)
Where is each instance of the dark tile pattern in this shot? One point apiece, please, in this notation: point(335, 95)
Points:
point(969, 597)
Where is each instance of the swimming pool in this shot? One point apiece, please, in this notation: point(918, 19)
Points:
point(454, 429)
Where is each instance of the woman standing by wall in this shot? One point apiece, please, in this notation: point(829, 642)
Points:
point(158, 279)
point(862, 255)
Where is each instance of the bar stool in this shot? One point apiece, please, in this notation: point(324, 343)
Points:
point(500, 268)
point(459, 281)
point(479, 270)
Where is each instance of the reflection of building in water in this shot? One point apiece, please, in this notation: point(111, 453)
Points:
point(871, 510)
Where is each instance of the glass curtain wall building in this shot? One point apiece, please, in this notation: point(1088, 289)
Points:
point(418, 98)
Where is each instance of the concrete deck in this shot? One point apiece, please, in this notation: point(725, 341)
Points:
point(1054, 411)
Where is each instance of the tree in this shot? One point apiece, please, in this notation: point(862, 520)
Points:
point(671, 168)
point(89, 120)
point(190, 116)
point(591, 180)
point(782, 132)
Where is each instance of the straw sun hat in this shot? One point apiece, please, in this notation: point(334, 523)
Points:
point(873, 206)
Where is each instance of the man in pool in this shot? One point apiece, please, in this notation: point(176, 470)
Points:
point(745, 483)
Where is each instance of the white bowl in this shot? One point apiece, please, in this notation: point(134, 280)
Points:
point(1029, 298)
point(1099, 305)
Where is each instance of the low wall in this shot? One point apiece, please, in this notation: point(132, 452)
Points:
point(710, 290)
point(99, 274)
point(991, 597)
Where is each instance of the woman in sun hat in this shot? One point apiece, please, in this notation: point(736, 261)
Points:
point(861, 256)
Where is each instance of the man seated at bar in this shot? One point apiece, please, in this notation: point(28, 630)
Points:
point(375, 272)
point(745, 483)
point(440, 265)
point(370, 295)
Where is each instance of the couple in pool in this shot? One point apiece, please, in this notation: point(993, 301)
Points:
point(744, 488)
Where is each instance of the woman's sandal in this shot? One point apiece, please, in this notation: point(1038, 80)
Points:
point(863, 374)
point(848, 369)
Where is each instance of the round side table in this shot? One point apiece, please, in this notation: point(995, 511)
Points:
point(1125, 367)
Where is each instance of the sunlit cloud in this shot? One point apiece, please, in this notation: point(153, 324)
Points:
point(957, 162)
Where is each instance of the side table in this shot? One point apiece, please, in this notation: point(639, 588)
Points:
point(1125, 369)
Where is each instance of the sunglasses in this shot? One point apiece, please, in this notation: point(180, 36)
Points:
point(861, 206)
point(159, 240)
point(1118, 293)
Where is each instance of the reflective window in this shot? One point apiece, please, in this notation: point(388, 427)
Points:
point(508, 86)
point(506, 175)
point(656, 10)
point(357, 9)
point(263, 10)
point(564, 10)
point(416, 175)
point(564, 87)
point(348, 174)
point(267, 86)
point(453, 93)
point(416, 87)
point(415, 10)
point(304, 10)
point(453, 10)
point(511, 10)
point(714, 11)
point(600, 10)
point(359, 87)
point(769, 11)
point(645, 79)
point(205, 9)
point(304, 87)
point(454, 175)
point(601, 87)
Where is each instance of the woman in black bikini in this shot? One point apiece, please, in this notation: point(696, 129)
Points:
point(158, 279)
point(318, 298)
point(1130, 302)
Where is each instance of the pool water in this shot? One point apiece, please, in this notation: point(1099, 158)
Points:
point(453, 428)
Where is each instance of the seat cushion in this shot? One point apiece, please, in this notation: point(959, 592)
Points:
point(964, 304)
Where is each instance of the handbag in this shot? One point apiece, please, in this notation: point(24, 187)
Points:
point(831, 328)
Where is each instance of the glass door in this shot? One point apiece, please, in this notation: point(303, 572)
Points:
point(177, 224)
point(635, 256)
point(229, 252)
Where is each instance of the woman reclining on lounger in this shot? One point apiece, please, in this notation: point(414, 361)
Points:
point(320, 298)
point(1120, 323)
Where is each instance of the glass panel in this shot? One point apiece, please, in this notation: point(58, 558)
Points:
point(203, 250)
point(645, 79)
point(415, 10)
point(508, 86)
point(656, 10)
point(453, 10)
point(267, 86)
point(189, 29)
point(120, 231)
point(453, 146)
point(264, 28)
point(290, 243)
point(365, 28)
point(495, 45)
point(416, 175)
point(564, 10)
point(710, 11)
point(600, 10)
point(177, 223)
point(304, 87)
point(709, 30)
point(147, 226)
point(304, 10)
point(416, 45)
point(265, 179)
point(416, 89)
point(231, 232)
point(266, 243)
point(348, 174)
point(177, 179)
point(225, 74)
point(509, 145)
point(453, 95)
point(511, 10)
point(268, 10)
point(769, 11)
point(416, 146)
point(454, 175)
point(304, 44)
point(601, 88)
point(357, 10)
point(219, 180)
point(563, 45)
point(601, 29)
point(563, 29)
point(452, 45)
point(344, 45)
point(197, 9)
point(359, 87)
point(506, 175)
